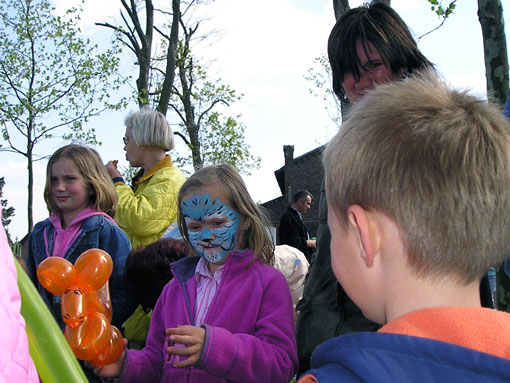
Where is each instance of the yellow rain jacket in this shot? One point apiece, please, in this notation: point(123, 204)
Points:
point(145, 213)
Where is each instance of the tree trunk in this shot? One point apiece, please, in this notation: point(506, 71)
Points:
point(387, 2)
point(145, 51)
point(168, 82)
point(339, 7)
point(490, 15)
point(30, 203)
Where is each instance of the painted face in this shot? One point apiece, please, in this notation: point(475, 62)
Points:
point(212, 226)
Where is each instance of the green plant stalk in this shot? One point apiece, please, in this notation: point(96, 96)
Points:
point(49, 349)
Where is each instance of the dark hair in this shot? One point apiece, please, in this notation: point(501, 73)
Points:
point(148, 269)
point(381, 26)
point(301, 194)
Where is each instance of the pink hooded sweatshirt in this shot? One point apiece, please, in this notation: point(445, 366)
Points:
point(16, 365)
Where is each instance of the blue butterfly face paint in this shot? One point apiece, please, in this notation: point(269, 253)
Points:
point(212, 226)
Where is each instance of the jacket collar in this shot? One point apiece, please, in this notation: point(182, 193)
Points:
point(477, 329)
point(164, 163)
point(184, 268)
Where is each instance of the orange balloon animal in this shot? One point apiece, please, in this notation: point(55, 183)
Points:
point(86, 305)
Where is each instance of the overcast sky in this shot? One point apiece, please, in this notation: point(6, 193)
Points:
point(263, 49)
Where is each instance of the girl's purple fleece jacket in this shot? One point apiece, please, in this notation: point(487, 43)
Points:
point(249, 327)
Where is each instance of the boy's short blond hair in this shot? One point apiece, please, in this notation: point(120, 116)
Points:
point(437, 162)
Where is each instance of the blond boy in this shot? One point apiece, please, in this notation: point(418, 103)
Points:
point(418, 189)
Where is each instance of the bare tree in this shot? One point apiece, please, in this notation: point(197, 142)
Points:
point(211, 136)
point(340, 6)
point(139, 39)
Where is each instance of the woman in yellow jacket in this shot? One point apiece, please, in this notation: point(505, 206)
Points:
point(149, 206)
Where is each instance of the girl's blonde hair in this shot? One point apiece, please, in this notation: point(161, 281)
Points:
point(231, 186)
point(89, 164)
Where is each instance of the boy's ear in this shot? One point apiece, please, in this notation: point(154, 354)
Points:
point(361, 221)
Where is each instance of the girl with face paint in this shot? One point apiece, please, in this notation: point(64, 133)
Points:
point(212, 226)
point(227, 314)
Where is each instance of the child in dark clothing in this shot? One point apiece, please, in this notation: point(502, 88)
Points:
point(148, 269)
point(147, 272)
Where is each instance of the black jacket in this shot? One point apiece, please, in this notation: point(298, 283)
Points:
point(292, 231)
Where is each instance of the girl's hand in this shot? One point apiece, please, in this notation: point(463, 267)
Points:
point(192, 338)
point(111, 370)
point(111, 167)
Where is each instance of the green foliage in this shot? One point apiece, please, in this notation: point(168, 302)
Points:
point(444, 12)
point(7, 212)
point(50, 77)
point(223, 142)
point(52, 81)
point(198, 102)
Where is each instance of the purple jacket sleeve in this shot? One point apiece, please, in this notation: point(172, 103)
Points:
point(269, 355)
point(147, 365)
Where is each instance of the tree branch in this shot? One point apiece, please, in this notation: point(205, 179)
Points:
point(183, 138)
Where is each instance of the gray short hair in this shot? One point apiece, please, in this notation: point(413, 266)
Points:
point(150, 128)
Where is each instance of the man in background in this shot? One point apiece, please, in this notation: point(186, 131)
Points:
point(292, 230)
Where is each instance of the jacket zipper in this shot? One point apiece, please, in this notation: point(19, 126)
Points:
point(192, 322)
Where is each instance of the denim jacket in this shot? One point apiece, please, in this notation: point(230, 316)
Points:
point(97, 232)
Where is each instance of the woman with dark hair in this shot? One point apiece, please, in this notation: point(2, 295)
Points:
point(368, 41)
point(368, 45)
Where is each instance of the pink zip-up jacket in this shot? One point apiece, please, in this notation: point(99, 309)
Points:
point(15, 362)
point(249, 327)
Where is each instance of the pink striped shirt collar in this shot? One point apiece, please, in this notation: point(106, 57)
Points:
point(207, 285)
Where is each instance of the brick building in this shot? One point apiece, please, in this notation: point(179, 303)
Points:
point(303, 172)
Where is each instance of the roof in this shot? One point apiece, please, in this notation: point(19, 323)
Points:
point(280, 173)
